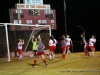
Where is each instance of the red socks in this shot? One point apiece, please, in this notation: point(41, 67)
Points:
point(44, 61)
point(35, 62)
point(63, 56)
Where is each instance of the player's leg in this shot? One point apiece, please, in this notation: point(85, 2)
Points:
point(68, 49)
point(92, 50)
point(20, 54)
point(31, 56)
point(43, 58)
point(87, 52)
point(35, 60)
point(53, 53)
point(64, 52)
point(50, 54)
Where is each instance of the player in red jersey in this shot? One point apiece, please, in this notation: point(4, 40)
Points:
point(85, 44)
point(92, 41)
point(40, 52)
point(52, 47)
point(20, 43)
point(63, 46)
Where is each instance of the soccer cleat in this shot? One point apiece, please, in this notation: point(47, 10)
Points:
point(46, 65)
point(34, 66)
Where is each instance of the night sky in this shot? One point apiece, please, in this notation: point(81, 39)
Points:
point(85, 13)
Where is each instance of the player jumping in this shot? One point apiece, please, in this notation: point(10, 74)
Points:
point(20, 43)
point(34, 47)
point(92, 41)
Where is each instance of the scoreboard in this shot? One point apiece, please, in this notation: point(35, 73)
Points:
point(32, 16)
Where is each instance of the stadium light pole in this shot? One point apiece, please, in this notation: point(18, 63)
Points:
point(82, 29)
point(65, 16)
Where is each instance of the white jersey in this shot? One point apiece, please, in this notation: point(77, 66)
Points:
point(91, 42)
point(52, 43)
point(19, 46)
point(68, 41)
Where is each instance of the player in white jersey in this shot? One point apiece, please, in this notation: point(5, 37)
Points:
point(69, 43)
point(52, 47)
point(92, 41)
point(20, 43)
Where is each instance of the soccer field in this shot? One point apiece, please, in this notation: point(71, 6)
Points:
point(74, 64)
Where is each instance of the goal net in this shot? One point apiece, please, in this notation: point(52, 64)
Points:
point(10, 34)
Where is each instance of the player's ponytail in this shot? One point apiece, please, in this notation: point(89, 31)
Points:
point(52, 38)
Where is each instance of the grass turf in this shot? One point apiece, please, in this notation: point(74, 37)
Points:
point(74, 64)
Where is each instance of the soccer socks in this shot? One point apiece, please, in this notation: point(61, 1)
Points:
point(44, 61)
point(68, 52)
point(93, 53)
point(35, 61)
point(63, 56)
point(53, 56)
point(50, 57)
point(20, 57)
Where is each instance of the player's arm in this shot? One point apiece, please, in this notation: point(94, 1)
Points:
point(22, 41)
point(43, 47)
point(71, 42)
point(81, 42)
point(32, 40)
point(56, 42)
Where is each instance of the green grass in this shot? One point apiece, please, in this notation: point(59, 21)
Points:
point(74, 64)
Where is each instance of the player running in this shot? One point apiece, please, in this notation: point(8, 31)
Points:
point(69, 43)
point(20, 51)
point(92, 41)
point(63, 46)
point(52, 47)
point(85, 44)
point(40, 52)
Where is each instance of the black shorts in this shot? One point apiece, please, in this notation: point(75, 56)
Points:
point(34, 52)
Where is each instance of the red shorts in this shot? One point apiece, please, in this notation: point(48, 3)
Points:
point(40, 53)
point(91, 46)
point(20, 51)
point(86, 46)
point(68, 46)
point(52, 48)
point(63, 48)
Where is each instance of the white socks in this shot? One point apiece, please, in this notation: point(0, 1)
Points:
point(68, 52)
point(92, 53)
point(52, 56)
point(20, 57)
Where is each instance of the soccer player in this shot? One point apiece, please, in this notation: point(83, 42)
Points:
point(85, 44)
point(69, 42)
point(34, 47)
point(92, 41)
point(20, 43)
point(52, 47)
point(63, 46)
point(40, 52)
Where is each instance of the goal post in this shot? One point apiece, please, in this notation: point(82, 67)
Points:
point(12, 37)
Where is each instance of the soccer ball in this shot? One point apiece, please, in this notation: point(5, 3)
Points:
point(31, 56)
point(37, 25)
